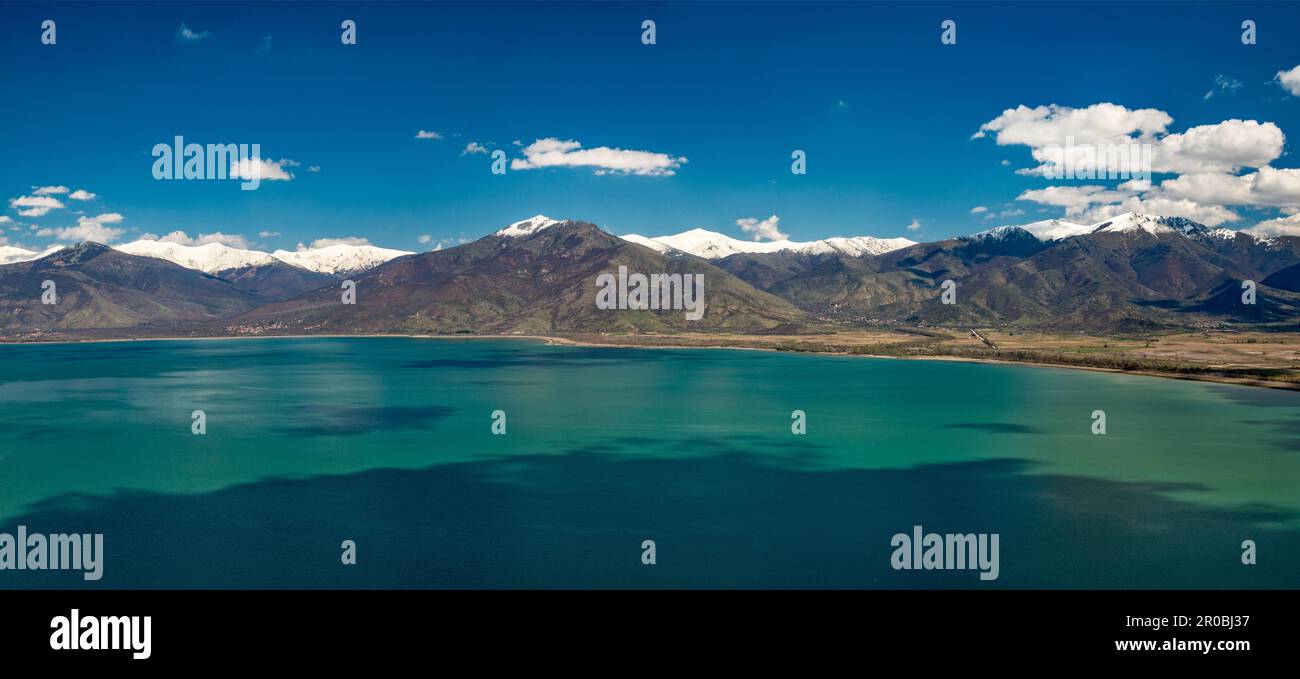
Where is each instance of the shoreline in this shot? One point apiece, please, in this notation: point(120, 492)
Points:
point(569, 341)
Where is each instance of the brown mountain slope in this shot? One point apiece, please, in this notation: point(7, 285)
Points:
point(98, 287)
point(543, 282)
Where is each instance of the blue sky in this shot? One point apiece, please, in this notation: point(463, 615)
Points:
point(884, 112)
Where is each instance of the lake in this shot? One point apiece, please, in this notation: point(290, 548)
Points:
point(388, 442)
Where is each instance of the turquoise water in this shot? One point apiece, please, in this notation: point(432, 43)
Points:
point(388, 442)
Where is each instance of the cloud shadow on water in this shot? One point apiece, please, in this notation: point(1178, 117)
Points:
point(725, 520)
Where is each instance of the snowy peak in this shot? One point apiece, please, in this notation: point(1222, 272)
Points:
point(856, 246)
point(647, 242)
point(1055, 229)
point(527, 227)
point(1131, 222)
point(210, 258)
point(713, 245)
point(1046, 230)
point(338, 259)
point(12, 255)
point(213, 258)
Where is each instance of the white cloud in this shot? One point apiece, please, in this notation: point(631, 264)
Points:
point(1087, 137)
point(84, 231)
point(1044, 125)
point(553, 152)
point(106, 218)
point(268, 170)
point(5, 219)
point(1267, 186)
point(1282, 226)
point(1075, 199)
point(978, 209)
point(1289, 80)
point(184, 34)
point(1090, 204)
point(1224, 85)
point(49, 190)
point(425, 239)
point(34, 206)
point(268, 234)
point(915, 225)
point(1224, 147)
point(427, 134)
point(313, 168)
point(182, 238)
point(1209, 215)
point(326, 242)
point(82, 194)
point(762, 229)
point(473, 147)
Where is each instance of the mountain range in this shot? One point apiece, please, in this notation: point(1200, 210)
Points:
point(1130, 273)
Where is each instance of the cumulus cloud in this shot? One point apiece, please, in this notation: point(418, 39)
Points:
point(182, 238)
point(267, 170)
point(1275, 187)
point(1043, 125)
point(554, 152)
point(978, 209)
point(762, 229)
point(327, 242)
point(425, 239)
point(427, 134)
point(34, 206)
point(473, 147)
point(1289, 80)
point(1100, 137)
point(1215, 166)
point(49, 190)
point(1209, 215)
point(1075, 199)
point(83, 231)
point(106, 218)
point(915, 225)
point(1224, 147)
point(1282, 226)
point(185, 34)
point(82, 194)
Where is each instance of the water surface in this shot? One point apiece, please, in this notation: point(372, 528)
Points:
point(387, 442)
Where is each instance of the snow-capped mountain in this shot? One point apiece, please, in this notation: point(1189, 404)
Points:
point(527, 227)
point(1129, 222)
point(339, 259)
point(713, 245)
point(12, 255)
point(1046, 230)
point(1133, 221)
point(210, 258)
